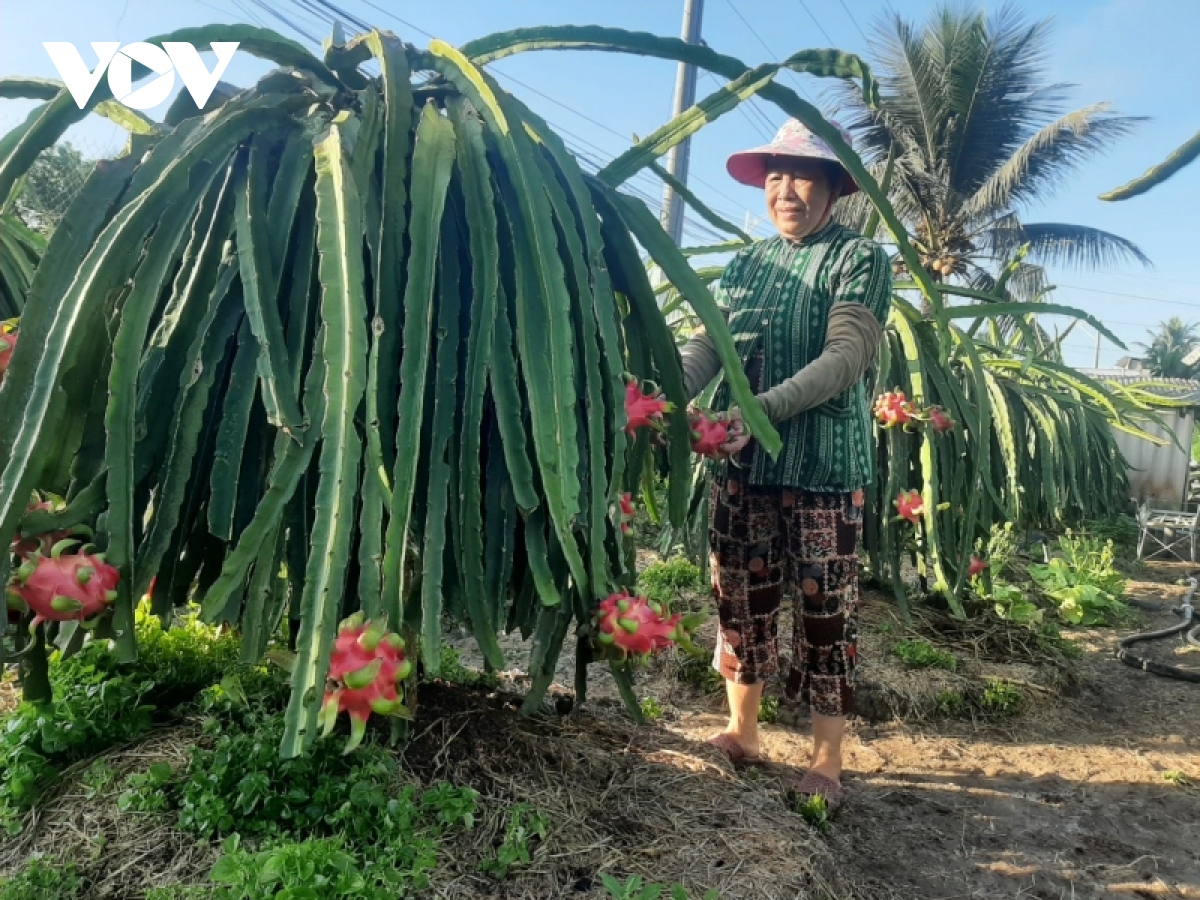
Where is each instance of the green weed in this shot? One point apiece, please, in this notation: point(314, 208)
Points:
point(952, 705)
point(815, 811)
point(699, 674)
point(768, 710)
point(1001, 699)
point(453, 671)
point(525, 826)
point(923, 655)
point(99, 703)
point(666, 581)
point(651, 708)
point(41, 881)
point(1083, 582)
point(1178, 779)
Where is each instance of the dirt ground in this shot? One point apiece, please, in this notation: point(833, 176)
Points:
point(1069, 799)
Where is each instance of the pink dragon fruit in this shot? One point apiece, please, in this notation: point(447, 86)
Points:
point(367, 664)
point(65, 587)
point(8, 342)
point(713, 432)
point(940, 421)
point(635, 625)
point(626, 511)
point(976, 567)
point(643, 408)
point(911, 506)
point(894, 408)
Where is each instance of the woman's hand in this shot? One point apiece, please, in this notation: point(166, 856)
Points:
point(738, 436)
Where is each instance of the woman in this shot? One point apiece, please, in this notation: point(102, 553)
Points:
point(806, 309)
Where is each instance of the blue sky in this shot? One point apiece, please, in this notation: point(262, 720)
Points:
point(1138, 54)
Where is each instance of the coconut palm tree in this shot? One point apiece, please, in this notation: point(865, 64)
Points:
point(976, 134)
point(1169, 353)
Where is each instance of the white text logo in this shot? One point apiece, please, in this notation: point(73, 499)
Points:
point(165, 61)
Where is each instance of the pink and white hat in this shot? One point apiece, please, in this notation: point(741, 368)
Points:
point(793, 139)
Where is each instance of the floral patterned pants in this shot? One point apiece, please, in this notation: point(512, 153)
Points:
point(768, 541)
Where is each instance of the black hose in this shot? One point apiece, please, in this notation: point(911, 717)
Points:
point(1190, 632)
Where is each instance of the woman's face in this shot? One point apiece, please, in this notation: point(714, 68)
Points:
point(799, 196)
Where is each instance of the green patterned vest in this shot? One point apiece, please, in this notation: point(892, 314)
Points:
point(779, 295)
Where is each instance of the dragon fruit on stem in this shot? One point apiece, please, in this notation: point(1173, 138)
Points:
point(643, 408)
point(893, 408)
point(64, 587)
point(911, 506)
point(367, 665)
point(626, 511)
point(27, 546)
point(940, 420)
point(636, 625)
point(8, 342)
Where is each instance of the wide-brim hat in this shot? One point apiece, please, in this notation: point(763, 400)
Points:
point(793, 139)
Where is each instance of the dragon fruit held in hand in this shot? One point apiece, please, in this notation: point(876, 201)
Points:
point(635, 625)
point(643, 409)
point(712, 432)
point(65, 587)
point(367, 664)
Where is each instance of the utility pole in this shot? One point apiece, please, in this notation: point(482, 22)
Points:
point(1097, 348)
point(685, 98)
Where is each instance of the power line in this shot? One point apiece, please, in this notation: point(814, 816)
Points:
point(854, 20)
point(329, 7)
point(742, 108)
point(820, 27)
point(773, 55)
point(1076, 287)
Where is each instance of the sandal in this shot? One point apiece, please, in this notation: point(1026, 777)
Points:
point(734, 751)
point(814, 784)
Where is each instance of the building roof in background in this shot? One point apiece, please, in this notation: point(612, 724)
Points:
point(1179, 389)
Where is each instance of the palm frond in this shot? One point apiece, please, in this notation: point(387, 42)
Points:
point(1060, 243)
point(1037, 167)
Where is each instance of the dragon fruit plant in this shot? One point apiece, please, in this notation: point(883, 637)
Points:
point(365, 670)
point(626, 625)
point(65, 587)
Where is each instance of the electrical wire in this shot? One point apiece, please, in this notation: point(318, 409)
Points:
point(333, 11)
point(774, 56)
point(820, 27)
point(854, 21)
point(1077, 287)
point(743, 109)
